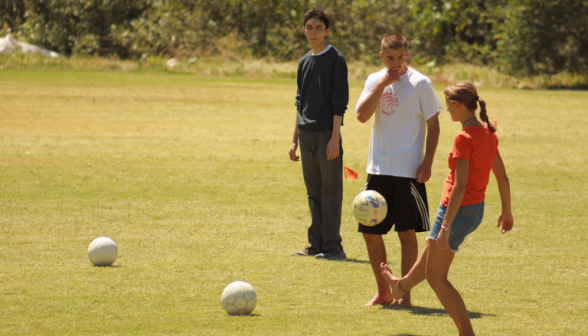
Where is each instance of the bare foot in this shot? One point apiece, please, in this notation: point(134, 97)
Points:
point(402, 304)
point(387, 274)
point(397, 292)
point(380, 300)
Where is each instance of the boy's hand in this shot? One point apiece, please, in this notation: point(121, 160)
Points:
point(333, 149)
point(391, 76)
point(506, 220)
point(423, 173)
point(292, 152)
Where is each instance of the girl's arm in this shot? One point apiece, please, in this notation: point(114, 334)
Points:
point(505, 219)
point(457, 193)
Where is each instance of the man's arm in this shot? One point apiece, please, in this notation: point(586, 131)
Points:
point(294, 145)
point(423, 173)
point(368, 106)
point(339, 101)
point(333, 146)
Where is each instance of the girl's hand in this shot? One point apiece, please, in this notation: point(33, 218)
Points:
point(506, 220)
point(443, 239)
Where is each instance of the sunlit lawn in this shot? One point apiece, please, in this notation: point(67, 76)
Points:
point(190, 176)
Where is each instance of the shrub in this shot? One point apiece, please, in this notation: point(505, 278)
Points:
point(545, 37)
point(71, 26)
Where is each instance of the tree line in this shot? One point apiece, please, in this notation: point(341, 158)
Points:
point(521, 37)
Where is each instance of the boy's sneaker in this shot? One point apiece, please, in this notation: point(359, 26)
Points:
point(331, 255)
point(307, 252)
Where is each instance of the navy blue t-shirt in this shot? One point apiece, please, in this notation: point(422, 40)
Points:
point(323, 90)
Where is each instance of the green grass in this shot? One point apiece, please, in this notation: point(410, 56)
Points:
point(190, 176)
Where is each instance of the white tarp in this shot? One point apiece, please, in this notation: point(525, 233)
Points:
point(9, 45)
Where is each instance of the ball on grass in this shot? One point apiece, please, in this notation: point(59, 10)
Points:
point(102, 251)
point(239, 298)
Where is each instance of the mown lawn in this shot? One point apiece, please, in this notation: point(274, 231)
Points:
point(190, 176)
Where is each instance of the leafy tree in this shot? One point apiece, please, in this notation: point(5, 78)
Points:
point(360, 25)
point(455, 30)
point(74, 26)
point(545, 37)
point(256, 27)
point(524, 37)
point(11, 14)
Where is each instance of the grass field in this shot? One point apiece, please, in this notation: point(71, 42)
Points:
point(190, 176)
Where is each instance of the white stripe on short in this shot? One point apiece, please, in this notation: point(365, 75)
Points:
point(422, 208)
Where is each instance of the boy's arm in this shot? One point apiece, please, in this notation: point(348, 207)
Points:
point(368, 106)
point(423, 173)
point(339, 101)
point(457, 193)
point(333, 146)
point(294, 145)
point(505, 219)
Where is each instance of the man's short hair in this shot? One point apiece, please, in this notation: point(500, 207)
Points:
point(394, 41)
point(318, 13)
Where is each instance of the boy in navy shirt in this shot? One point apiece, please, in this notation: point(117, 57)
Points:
point(321, 101)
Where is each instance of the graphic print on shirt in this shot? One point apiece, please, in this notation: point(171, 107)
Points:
point(388, 102)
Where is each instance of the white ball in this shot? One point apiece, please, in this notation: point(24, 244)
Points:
point(102, 251)
point(239, 298)
point(370, 208)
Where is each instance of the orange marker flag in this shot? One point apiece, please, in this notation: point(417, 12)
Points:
point(349, 173)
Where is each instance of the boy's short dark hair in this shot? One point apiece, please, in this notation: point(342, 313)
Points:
point(318, 13)
point(394, 41)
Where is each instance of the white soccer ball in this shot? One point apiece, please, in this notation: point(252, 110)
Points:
point(369, 208)
point(102, 251)
point(239, 298)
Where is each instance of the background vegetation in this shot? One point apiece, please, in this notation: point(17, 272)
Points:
point(518, 37)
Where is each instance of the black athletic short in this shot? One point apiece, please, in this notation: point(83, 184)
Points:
point(408, 208)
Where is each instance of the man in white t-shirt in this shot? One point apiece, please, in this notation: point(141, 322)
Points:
point(406, 108)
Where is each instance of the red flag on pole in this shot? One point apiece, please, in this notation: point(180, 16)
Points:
point(349, 173)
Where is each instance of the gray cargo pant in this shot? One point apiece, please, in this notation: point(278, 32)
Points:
point(324, 186)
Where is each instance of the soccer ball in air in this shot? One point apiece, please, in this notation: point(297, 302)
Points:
point(239, 298)
point(369, 208)
point(102, 251)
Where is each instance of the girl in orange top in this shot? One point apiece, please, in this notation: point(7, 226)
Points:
point(473, 154)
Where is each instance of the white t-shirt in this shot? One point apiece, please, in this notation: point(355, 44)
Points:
point(398, 136)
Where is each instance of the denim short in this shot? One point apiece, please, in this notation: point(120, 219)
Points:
point(466, 221)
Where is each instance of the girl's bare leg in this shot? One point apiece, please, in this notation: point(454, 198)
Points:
point(437, 269)
point(415, 276)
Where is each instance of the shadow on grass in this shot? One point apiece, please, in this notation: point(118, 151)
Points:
point(107, 266)
point(353, 261)
point(433, 311)
point(404, 335)
point(248, 315)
